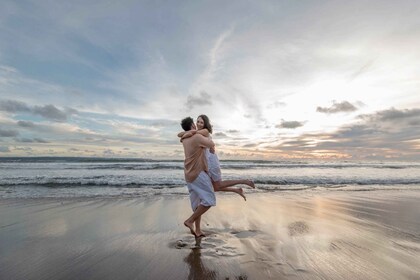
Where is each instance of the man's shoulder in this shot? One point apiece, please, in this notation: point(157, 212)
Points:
point(199, 138)
point(196, 137)
point(193, 139)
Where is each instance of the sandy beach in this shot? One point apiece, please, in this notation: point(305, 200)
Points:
point(308, 235)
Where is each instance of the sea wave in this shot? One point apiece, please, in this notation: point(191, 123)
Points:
point(28, 192)
point(123, 181)
point(44, 177)
point(175, 165)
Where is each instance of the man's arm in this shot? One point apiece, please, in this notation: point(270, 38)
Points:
point(186, 134)
point(204, 141)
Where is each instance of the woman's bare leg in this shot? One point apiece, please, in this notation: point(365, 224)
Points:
point(217, 188)
point(229, 183)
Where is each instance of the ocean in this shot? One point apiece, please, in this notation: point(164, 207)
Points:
point(61, 177)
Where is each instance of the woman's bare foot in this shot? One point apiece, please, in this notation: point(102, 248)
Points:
point(251, 184)
point(240, 191)
point(191, 227)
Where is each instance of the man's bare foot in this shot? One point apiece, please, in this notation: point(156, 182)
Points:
point(191, 227)
point(200, 234)
point(251, 184)
point(240, 191)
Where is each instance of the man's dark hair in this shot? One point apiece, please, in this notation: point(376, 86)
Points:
point(187, 123)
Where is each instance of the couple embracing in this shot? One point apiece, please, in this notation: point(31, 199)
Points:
point(202, 171)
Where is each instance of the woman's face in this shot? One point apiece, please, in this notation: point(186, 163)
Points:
point(200, 123)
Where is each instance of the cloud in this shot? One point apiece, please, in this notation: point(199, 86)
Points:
point(12, 106)
point(26, 124)
point(48, 111)
point(108, 152)
point(299, 145)
point(386, 133)
point(365, 68)
point(164, 123)
point(290, 124)
point(34, 140)
point(251, 145)
point(344, 106)
point(39, 140)
point(394, 115)
point(4, 149)
point(382, 134)
point(276, 104)
point(8, 133)
point(25, 149)
point(201, 100)
point(220, 134)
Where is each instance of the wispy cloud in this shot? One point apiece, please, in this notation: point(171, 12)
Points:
point(26, 124)
point(410, 116)
point(34, 140)
point(362, 70)
point(202, 99)
point(220, 135)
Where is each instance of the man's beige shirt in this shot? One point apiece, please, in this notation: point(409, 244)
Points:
point(195, 156)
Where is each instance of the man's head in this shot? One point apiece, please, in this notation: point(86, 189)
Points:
point(187, 124)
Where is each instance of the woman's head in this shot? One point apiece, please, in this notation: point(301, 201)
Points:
point(204, 122)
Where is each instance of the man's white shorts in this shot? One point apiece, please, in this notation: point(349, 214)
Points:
point(201, 191)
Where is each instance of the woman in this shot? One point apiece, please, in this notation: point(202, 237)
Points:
point(204, 128)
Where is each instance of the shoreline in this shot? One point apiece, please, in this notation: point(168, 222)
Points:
point(278, 235)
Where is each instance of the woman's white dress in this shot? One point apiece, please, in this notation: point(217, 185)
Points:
point(214, 166)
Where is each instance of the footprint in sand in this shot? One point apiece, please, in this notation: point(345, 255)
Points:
point(184, 243)
point(298, 228)
point(178, 244)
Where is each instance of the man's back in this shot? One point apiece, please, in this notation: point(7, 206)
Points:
point(195, 159)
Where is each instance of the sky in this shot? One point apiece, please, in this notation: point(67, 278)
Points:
point(278, 79)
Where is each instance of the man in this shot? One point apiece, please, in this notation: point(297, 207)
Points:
point(199, 184)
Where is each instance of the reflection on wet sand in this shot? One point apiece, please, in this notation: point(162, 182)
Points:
point(197, 269)
point(271, 236)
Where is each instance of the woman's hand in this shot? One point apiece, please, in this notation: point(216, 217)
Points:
point(212, 149)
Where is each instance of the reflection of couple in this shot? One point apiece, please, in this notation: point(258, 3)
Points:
point(202, 171)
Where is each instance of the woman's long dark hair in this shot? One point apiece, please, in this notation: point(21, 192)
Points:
point(207, 123)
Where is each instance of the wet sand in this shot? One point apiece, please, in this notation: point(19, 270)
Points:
point(308, 235)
